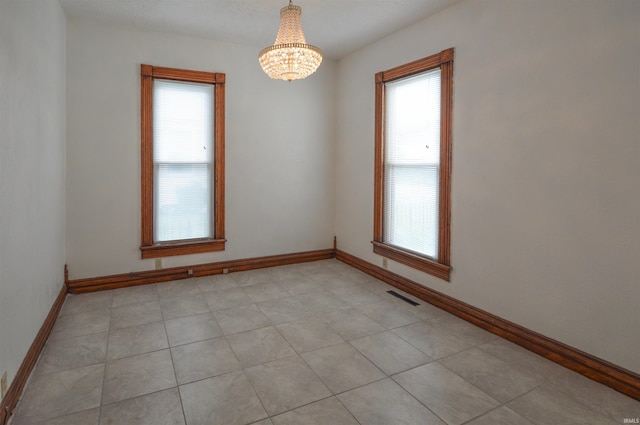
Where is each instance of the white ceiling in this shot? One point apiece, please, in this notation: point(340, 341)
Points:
point(338, 27)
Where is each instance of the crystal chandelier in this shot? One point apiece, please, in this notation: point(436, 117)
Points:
point(290, 57)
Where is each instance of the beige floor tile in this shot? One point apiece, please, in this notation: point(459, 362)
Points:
point(163, 407)
point(390, 353)
point(228, 298)
point(326, 278)
point(137, 340)
point(70, 353)
point(219, 282)
point(241, 319)
point(223, 400)
point(500, 416)
point(384, 403)
point(138, 375)
point(192, 328)
point(352, 324)
point(544, 370)
point(283, 273)
point(253, 277)
point(188, 305)
point(307, 335)
point(178, 288)
point(135, 314)
point(284, 310)
point(495, 377)
point(341, 367)
point(337, 282)
point(76, 303)
point(428, 312)
point(323, 412)
point(88, 417)
point(286, 384)
point(82, 323)
point(299, 285)
point(549, 405)
point(356, 295)
point(321, 302)
point(265, 292)
point(203, 359)
point(388, 315)
point(573, 391)
point(263, 422)
point(432, 340)
point(61, 394)
point(134, 295)
point(259, 346)
point(465, 330)
point(446, 394)
point(606, 401)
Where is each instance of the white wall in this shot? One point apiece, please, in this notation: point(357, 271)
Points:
point(546, 163)
point(32, 171)
point(279, 149)
point(545, 228)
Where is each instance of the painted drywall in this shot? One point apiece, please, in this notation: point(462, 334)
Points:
point(546, 163)
point(280, 142)
point(32, 171)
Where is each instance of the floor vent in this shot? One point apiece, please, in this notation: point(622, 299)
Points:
point(403, 298)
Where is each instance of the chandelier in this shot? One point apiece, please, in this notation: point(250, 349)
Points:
point(290, 57)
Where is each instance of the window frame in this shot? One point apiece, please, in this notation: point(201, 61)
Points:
point(148, 248)
point(442, 267)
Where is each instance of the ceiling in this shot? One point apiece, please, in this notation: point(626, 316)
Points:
point(338, 27)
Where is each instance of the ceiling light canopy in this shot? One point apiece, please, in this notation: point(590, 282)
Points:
point(290, 57)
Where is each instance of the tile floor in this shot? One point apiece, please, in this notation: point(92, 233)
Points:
point(314, 343)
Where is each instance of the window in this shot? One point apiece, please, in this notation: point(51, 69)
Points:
point(182, 121)
point(413, 164)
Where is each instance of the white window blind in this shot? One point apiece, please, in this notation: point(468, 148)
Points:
point(412, 163)
point(183, 160)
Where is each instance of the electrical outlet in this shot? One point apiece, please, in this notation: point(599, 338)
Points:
point(3, 383)
point(384, 263)
point(158, 263)
point(225, 271)
point(190, 272)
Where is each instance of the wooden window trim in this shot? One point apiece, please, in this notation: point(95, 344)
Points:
point(147, 248)
point(442, 267)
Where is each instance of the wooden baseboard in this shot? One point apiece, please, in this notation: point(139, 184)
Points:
point(19, 381)
point(619, 379)
point(152, 276)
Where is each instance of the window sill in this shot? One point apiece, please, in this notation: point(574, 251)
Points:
point(182, 248)
point(431, 267)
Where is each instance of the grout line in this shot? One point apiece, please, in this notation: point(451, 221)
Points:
point(106, 362)
point(175, 375)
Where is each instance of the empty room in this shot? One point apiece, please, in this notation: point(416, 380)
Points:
point(280, 212)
